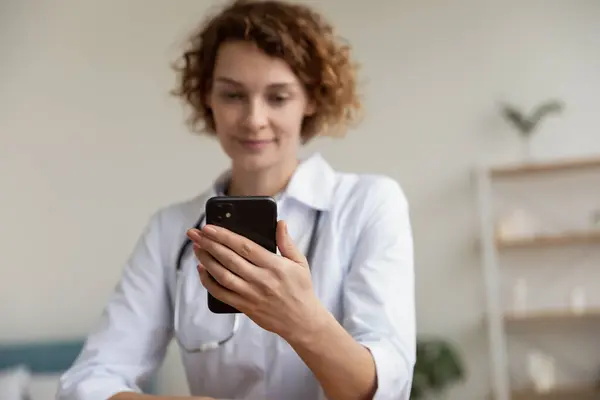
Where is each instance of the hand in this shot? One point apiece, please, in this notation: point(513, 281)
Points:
point(274, 291)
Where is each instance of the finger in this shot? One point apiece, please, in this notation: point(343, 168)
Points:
point(223, 276)
point(246, 248)
point(195, 235)
point(286, 246)
point(219, 292)
point(231, 260)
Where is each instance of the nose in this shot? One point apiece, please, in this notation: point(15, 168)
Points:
point(256, 115)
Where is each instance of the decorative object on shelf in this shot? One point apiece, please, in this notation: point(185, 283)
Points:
point(517, 224)
point(438, 366)
point(520, 296)
point(596, 219)
point(578, 305)
point(526, 124)
point(541, 371)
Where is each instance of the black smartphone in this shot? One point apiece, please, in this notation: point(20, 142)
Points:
point(254, 217)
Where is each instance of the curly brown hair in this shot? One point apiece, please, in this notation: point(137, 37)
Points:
point(292, 32)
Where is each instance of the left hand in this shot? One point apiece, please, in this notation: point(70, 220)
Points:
point(274, 291)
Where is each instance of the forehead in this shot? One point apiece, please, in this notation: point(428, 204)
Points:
point(247, 64)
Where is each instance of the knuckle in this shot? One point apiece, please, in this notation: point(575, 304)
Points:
point(279, 273)
point(246, 250)
point(227, 280)
point(230, 260)
point(271, 288)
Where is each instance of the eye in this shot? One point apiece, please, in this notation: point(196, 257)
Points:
point(278, 99)
point(232, 96)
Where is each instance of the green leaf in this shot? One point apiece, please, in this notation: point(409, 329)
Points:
point(437, 367)
point(526, 125)
point(550, 107)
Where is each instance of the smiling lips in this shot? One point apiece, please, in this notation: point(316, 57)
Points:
point(255, 144)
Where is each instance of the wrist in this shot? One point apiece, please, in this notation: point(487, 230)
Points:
point(313, 330)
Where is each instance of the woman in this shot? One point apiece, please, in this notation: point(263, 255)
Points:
point(265, 77)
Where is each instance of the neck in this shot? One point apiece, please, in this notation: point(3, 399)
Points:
point(267, 182)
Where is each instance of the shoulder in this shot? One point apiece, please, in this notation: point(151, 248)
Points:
point(368, 192)
point(368, 204)
point(170, 220)
point(370, 218)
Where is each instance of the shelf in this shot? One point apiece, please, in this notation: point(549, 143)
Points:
point(537, 167)
point(551, 316)
point(561, 393)
point(569, 172)
point(545, 240)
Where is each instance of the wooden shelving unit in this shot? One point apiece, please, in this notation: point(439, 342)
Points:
point(566, 316)
point(515, 170)
point(551, 240)
point(491, 246)
point(561, 393)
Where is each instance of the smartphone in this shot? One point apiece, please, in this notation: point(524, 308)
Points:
point(254, 217)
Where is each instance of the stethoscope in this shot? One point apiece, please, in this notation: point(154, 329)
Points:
point(236, 317)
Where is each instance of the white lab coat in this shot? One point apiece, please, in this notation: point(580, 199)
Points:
point(362, 272)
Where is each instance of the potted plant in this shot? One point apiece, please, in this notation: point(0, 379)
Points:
point(438, 367)
point(526, 124)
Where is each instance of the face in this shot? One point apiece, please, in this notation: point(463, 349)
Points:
point(258, 105)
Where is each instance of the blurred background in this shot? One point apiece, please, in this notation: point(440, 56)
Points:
point(506, 212)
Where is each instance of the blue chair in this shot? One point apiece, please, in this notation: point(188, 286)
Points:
point(47, 357)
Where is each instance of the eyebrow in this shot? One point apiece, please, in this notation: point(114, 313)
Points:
point(275, 85)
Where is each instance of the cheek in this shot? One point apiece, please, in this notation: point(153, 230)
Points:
point(288, 123)
point(225, 117)
point(226, 125)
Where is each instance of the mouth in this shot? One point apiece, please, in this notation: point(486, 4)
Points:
point(253, 144)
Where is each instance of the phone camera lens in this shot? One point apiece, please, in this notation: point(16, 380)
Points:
point(223, 211)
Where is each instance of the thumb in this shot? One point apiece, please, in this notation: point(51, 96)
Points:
point(286, 246)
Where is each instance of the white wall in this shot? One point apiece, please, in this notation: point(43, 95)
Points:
point(91, 143)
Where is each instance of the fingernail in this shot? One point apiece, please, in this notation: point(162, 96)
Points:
point(209, 229)
point(194, 233)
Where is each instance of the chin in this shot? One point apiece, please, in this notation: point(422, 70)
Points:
point(253, 161)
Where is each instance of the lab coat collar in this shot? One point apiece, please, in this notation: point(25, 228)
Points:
point(312, 184)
